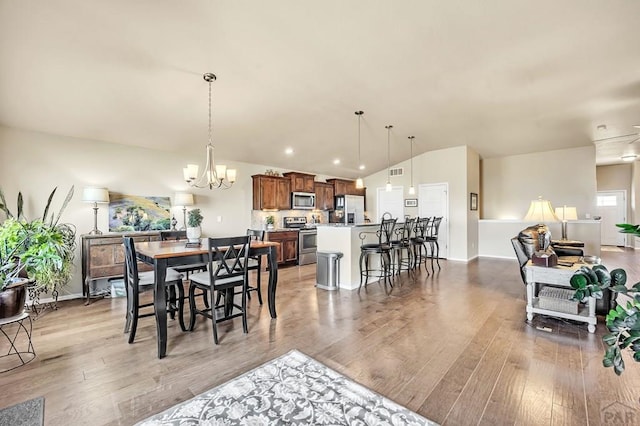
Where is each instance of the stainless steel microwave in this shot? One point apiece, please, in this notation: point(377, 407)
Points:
point(303, 200)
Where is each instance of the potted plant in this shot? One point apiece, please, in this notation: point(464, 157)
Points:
point(270, 221)
point(44, 246)
point(13, 292)
point(623, 322)
point(193, 226)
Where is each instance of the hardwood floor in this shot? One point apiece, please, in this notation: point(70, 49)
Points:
point(454, 347)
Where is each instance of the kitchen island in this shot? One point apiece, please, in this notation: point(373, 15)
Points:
point(346, 240)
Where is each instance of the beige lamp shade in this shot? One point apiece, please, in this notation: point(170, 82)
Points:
point(567, 213)
point(183, 199)
point(92, 194)
point(540, 211)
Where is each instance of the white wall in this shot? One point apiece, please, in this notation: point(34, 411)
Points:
point(564, 177)
point(445, 165)
point(35, 163)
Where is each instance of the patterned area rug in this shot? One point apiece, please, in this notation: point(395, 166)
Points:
point(27, 413)
point(291, 389)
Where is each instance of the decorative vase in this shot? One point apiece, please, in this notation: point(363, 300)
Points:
point(193, 234)
point(12, 299)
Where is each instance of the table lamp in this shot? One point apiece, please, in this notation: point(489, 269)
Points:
point(564, 214)
point(183, 199)
point(540, 211)
point(94, 195)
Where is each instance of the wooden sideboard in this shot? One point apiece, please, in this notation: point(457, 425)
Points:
point(103, 257)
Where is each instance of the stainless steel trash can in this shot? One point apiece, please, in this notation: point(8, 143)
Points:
point(328, 270)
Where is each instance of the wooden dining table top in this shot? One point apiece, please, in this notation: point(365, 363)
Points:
point(168, 249)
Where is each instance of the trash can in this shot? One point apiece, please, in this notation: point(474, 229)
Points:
point(328, 270)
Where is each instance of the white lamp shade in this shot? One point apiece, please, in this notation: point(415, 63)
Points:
point(183, 199)
point(567, 213)
point(231, 175)
point(359, 183)
point(540, 211)
point(92, 194)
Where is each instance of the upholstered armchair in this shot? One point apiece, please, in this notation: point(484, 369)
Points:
point(527, 243)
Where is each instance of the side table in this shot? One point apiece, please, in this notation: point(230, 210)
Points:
point(558, 276)
point(20, 346)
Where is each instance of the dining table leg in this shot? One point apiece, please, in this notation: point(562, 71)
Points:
point(273, 280)
point(160, 305)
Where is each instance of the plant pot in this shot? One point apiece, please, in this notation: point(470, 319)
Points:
point(12, 299)
point(193, 234)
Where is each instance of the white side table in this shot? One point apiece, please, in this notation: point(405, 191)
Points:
point(558, 276)
point(17, 331)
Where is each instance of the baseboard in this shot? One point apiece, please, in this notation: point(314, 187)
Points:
point(60, 298)
point(490, 256)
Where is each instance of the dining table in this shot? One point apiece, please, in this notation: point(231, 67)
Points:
point(165, 254)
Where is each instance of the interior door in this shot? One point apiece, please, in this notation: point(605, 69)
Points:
point(433, 200)
point(391, 202)
point(612, 208)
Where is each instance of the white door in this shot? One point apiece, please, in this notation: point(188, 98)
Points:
point(433, 200)
point(612, 208)
point(391, 202)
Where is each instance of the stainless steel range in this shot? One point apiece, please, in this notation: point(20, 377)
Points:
point(307, 234)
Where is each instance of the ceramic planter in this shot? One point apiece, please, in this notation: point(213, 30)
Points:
point(194, 234)
point(12, 299)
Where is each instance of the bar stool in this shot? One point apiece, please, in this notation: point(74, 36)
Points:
point(431, 237)
point(382, 249)
point(403, 243)
point(418, 243)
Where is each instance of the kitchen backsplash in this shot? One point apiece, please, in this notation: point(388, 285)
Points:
point(258, 217)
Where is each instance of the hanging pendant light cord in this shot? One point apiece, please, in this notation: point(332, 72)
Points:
point(210, 130)
point(388, 152)
point(411, 148)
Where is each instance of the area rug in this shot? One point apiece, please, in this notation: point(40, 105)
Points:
point(27, 413)
point(292, 389)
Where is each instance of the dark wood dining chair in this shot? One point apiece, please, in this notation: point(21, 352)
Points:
point(226, 272)
point(255, 263)
point(141, 282)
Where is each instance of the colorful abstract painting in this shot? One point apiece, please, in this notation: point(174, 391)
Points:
point(138, 213)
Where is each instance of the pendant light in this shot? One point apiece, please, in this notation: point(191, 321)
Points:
point(412, 189)
point(214, 175)
point(388, 186)
point(359, 182)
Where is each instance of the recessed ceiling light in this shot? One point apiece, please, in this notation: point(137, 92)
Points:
point(361, 167)
point(629, 157)
point(336, 161)
point(288, 151)
point(637, 126)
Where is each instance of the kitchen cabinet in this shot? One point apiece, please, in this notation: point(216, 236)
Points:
point(271, 192)
point(345, 187)
point(324, 196)
point(287, 252)
point(301, 182)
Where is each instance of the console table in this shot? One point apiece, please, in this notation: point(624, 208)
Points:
point(558, 276)
point(103, 257)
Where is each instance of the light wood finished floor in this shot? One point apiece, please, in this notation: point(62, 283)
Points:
point(455, 347)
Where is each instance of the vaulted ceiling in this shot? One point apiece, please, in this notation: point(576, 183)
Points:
point(504, 77)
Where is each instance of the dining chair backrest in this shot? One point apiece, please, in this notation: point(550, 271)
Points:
point(228, 260)
point(385, 233)
point(434, 228)
point(421, 227)
point(256, 234)
point(173, 235)
point(131, 263)
point(406, 231)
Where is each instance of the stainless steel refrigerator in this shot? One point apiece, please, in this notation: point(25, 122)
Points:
point(354, 209)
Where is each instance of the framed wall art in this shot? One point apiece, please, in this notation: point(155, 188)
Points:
point(138, 213)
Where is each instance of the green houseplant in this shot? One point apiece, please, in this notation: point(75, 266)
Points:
point(270, 221)
point(193, 225)
point(12, 288)
point(44, 247)
point(623, 322)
